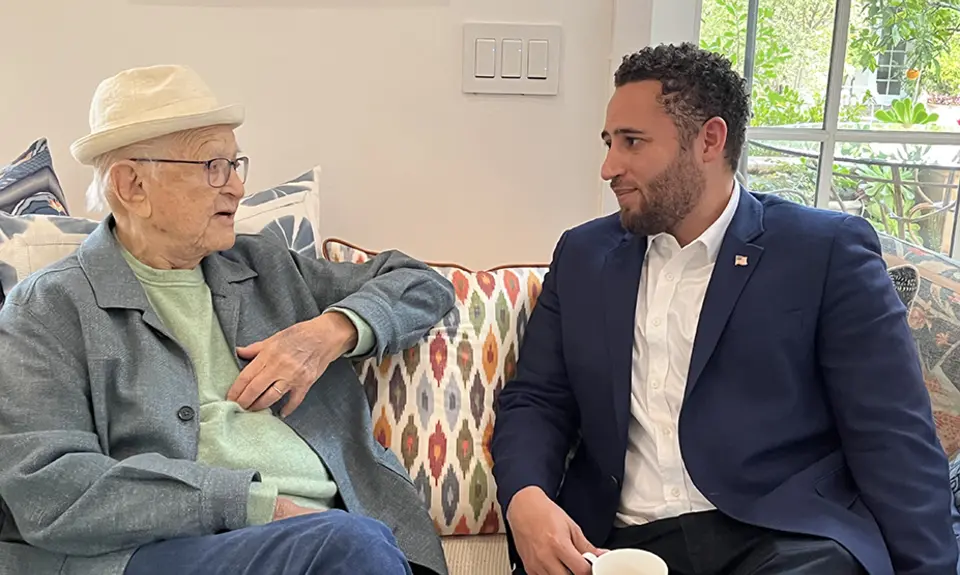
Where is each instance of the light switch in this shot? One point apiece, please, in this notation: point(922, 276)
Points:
point(497, 58)
point(486, 58)
point(538, 56)
point(512, 52)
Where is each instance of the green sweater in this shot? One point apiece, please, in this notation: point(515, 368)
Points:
point(231, 437)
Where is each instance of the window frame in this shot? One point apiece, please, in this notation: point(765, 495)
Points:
point(639, 23)
point(829, 135)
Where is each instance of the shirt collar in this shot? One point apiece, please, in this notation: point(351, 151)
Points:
point(712, 237)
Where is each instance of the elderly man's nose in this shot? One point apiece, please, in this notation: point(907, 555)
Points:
point(234, 186)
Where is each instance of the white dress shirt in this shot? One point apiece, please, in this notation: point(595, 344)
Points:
point(673, 283)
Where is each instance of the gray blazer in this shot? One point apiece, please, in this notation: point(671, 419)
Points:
point(98, 403)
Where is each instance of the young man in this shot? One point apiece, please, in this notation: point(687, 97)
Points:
point(734, 371)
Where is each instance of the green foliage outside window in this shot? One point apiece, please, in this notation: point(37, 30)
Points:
point(892, 186)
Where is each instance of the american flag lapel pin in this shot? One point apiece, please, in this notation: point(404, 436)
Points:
point(740, 261)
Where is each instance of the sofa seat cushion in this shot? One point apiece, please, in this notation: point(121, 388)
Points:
point(433, 405)
point(477, 555)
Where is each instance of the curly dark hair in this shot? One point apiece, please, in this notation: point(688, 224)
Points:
point(697, 85)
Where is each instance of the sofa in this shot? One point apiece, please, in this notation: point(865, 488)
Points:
point(434, 405)
point(484, 333)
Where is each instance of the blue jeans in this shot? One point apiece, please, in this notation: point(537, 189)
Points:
point(333, 543)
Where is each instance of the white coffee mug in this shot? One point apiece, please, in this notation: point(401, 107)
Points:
point(626, 562)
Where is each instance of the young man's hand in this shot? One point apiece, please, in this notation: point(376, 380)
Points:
point(549, 542)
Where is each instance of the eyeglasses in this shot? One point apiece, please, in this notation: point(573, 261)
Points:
point(218, 169)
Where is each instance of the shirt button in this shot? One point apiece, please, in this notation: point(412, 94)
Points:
point(185, 413)
point(656, 321)
point(656, 385)
point(669, 277)
point(675, 492)
point(666, 431)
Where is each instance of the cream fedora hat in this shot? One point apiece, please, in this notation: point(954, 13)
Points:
point(144, 103)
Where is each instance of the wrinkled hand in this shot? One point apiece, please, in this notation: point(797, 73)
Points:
point(285, 509)
point(291, 361)
point(548, 541)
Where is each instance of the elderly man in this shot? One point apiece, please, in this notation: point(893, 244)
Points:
point(178, 399)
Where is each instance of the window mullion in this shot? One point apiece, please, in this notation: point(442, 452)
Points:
point(954, 247)
point(749, 59)
point(786, 134)
point(831, 114)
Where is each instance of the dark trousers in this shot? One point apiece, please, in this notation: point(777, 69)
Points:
point(710, 543)
point(331, 543)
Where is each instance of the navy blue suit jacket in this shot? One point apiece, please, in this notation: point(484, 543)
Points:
point(805, 408)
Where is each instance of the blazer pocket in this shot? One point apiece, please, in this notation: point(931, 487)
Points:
point(838, 486)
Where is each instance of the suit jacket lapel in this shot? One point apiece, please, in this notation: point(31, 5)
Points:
point(114, 284)
point(621, 283)
point(736, 262)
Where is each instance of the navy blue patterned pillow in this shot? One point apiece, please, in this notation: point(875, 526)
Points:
point(40, 204)
point(29, 186)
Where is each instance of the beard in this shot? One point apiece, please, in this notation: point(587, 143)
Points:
point(666, 199)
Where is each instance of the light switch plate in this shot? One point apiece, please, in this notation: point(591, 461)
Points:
point(524, 85)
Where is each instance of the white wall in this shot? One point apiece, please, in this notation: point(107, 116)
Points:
point(639, 23)
point(370, 89)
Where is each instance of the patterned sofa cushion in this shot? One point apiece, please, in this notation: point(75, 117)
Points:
point(289, 213)
point(955, 507)
point(906, 280)
point(434, 404)
point(934, 319)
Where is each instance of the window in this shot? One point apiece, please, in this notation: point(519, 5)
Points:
point(856, 107)
point(891, 69)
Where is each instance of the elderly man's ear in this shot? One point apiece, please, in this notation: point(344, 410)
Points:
point(128, 188)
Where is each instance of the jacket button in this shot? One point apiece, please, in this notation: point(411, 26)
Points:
point(185, 413)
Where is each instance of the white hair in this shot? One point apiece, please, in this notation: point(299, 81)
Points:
point(100, 191)
point(97, 191)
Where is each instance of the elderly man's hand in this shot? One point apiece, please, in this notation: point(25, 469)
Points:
point(291, 361)
point(285, 509)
